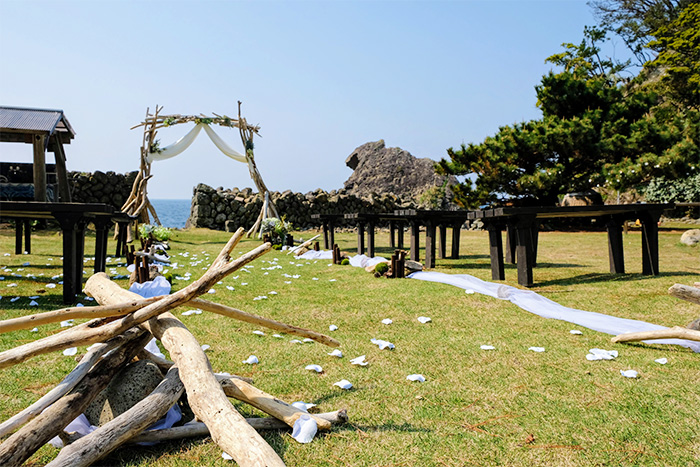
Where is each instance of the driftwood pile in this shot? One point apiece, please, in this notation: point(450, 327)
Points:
point(122, 325)
point(690, 332)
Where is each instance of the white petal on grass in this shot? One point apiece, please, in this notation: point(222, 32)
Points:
point(382, 344)
point(35, 330)
point(332, 327)
point(387, 321)
point(314, 278)
point(343, 384)
point(332, 280)
point(259, 333)
point(211, 291)
point(487, 347)
point(33, 303)
point(662, 361)
point(79, 305)
point(295, 341)
point(336, 353)
point(468, 291)
point(575, 332)
point(70, 351)
point(12, 285)
point(629, 373)
point(206, 347)
point(67, 323)
point(14, 299)
point(251, 360)
point(303, 406)
point(316, 368)
point(416, 377)
point(226, 456)
point(424, 319)
point(601, 354)
point(287, 282)
point(230, 287)
point(359, 361)
point(536, 349)
point(260, 297)
point(192, 312)
point(272, 293)
point(278, 336)
point(304, 429)
point(34, 297)
point(308, 341)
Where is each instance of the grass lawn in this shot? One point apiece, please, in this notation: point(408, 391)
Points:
point(508, 406)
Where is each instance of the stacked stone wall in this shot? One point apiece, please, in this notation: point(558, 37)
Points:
point(230, 209)
point(100, 187)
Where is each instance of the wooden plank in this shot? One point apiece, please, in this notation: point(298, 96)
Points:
point(39, 167)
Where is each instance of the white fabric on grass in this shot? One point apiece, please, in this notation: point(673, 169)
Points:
point(541, 306)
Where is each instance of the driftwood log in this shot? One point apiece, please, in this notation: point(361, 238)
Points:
point(206, 398)
point(22, 444)
point(111, 435)
point(685, 292)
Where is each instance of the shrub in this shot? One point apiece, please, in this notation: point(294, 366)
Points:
point(156, 232)
point(345, 262)
point(381, 268)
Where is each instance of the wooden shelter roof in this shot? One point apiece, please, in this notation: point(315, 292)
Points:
point(18, 124)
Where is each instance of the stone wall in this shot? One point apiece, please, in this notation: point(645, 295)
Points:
point(230, 209)
point(100, 187)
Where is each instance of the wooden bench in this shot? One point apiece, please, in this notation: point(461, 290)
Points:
point(73, 218)
point(328, 223)
point(520, 224)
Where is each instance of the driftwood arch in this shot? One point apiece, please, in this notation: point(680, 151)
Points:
point(138, 204)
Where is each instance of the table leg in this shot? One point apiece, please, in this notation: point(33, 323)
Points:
point(415, 238)
point(525, 251)
point(19, 225)
point(360, 238)
point(370, 239)
point(616, 253)
point(442, 247)
point(399, 236)
point(326, 238)
point(511, 242)
point(456, 232)
point(392, 234)
point(69, 226)
point(101, 234)
point(28, 236)
point(331, 233)
point(650, 242)
point(496, 251)
point(430, 244)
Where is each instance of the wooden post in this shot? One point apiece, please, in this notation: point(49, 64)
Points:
point(399, 236)
point(19, 225)
point(392, 234)
point(69, 226)
point(60, 156)
point(39, 168)
point(370, 239)
point(401, 264)
point(511, 243)
point(327, 245)
point(316, 246)
point(28, 236)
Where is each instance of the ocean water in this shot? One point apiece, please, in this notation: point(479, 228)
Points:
point(172, 213)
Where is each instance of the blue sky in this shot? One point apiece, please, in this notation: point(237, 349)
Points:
point(320, 78)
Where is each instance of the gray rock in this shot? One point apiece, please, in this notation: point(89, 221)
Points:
point(690, 237)
point(131, 385)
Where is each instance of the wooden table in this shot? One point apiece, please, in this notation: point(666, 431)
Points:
point(433, 220)
point(521, 228)
point(73, 218)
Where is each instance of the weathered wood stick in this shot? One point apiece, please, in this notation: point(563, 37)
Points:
point(206, 397)
point(267, 403)
point(68, 383)
point(224, 310)
point(91, 332)
point(308, 242)
point(74, 312)
point(674, 332)
point(195, 429)
point(685, 292)
point(117, 431)
point(21, 445)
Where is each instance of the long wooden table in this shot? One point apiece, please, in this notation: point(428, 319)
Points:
point(521, 223)
point(73, 218)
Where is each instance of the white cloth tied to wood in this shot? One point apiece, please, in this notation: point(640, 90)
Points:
point(186, 141)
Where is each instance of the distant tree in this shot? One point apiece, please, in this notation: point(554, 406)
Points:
point(597, 129)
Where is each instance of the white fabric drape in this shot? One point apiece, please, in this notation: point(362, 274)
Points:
point(183, 143)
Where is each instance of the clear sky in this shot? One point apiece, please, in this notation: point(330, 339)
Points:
point(319, 77)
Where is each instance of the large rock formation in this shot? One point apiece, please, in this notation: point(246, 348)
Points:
point(382, 170)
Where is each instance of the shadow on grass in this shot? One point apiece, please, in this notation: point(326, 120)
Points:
point(598, 277)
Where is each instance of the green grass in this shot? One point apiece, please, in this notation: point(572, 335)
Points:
point(510, 406)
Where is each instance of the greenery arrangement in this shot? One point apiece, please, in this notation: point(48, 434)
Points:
point(154, 232)
point(598, 127)
point(276, 228)
point(381, 268)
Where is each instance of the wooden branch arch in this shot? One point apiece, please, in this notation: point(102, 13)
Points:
point(138, 204)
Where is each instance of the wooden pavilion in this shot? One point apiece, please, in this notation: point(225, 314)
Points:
point(45, 130)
